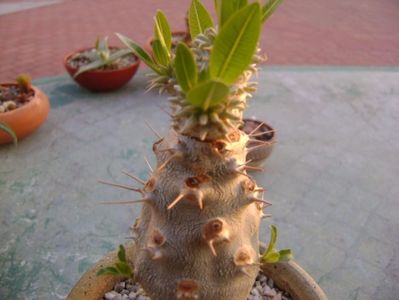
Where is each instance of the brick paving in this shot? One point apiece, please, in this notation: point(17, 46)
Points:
point(301, 32)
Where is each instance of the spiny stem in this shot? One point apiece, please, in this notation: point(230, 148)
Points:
point(245, 166)
point(126, 202)
point(167, 150)
point(212, 247)
point(122, 186)
point(148, 164)
point(153, 130)
point(254, 148)
point(260, 142)
point(264, 216)
point(256, 128)
point(253, 168)
point(161, 167)
point(262, 133)
point(266, 203)
point(134, 177)
point(178, 198)
point(244, 174)
point(165, 111)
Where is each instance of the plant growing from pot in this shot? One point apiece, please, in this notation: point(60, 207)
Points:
point(102, 68)
point(4, 128)
point(198, 233)
point(23, 109)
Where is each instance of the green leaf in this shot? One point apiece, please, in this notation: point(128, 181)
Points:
point(273, 238)
point(123, 268)
point(139, 52)
point(162, 30)
point(199, 18)
point(102, 50)
point(226, 8)
point(269, 8)
point(4, 127)
point(185, 67)
point(108, 271)
point(208, 94)
point(204, 75)
point(89, 67)
point(160, 53)
point(272, 257)
point(235, 44)
point(122, 253)
point(119, 54)
point(285, 255)
point(102, 44)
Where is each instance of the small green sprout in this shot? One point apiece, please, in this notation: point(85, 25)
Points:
point(24, 82)
point(121, 268)
point(271, 255)
point(4, 127)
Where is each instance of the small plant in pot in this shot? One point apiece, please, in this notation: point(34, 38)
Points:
point(23, 109)
point(198, 233)
point(102, 68)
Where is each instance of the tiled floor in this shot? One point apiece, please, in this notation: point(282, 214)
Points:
point(332, 179)
point(301, 32)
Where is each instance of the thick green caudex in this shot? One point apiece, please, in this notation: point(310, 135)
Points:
point(198, 232)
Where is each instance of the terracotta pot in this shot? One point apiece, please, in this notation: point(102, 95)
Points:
point(101, 80)
point(259, 154)
point(182, 34)
point(288, 276)
point(27, 118)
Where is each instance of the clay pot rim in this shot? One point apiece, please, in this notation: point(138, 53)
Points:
point(288, 276)
point(26, 106)
point(97, 71)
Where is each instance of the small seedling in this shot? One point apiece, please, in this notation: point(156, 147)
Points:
point(24, 82)
point(271, 255)
point(121, 268)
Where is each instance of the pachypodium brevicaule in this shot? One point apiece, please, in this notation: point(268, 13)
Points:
point(197, 236)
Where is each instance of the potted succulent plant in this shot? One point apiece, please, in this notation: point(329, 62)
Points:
point(198, 233)
point(23, 109)
point(101, 68)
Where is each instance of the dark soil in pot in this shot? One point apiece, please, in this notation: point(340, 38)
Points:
point(23, 110)
point(13, 96)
